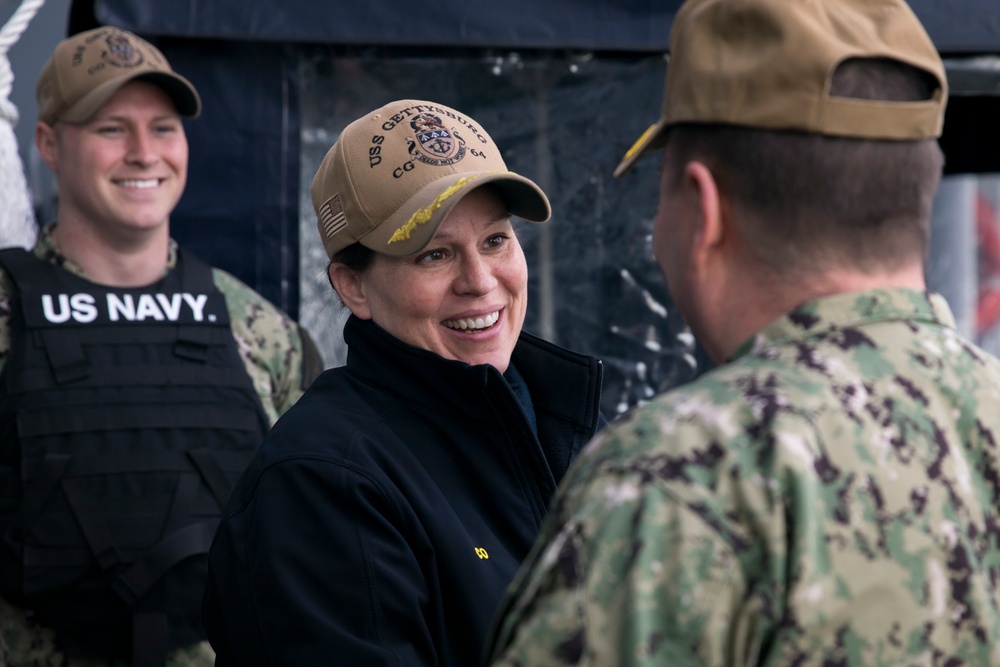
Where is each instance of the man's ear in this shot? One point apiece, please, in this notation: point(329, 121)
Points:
point(47, 143)
point(711, 232)
point(349, 286)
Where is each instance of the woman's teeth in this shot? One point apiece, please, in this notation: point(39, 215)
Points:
point(473, 323)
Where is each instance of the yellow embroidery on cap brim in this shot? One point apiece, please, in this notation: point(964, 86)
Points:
point(424, 214)
point(639, 142)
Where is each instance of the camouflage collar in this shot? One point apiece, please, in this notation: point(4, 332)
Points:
point(850, 310)
point(46, 248)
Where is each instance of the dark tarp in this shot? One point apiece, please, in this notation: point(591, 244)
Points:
point(240, 209)
point(956, 26)
point(628, 25)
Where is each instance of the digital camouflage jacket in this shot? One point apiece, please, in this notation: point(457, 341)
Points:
point(828, 497)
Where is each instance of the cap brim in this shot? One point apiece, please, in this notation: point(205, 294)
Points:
point(414, 224)
point(181, 92)
point(654, 137)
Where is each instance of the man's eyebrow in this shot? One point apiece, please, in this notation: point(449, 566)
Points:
point(120, 118)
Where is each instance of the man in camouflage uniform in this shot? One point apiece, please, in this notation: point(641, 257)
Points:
point(829, 494)
point(110, 128)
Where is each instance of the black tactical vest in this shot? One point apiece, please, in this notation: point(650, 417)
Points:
point(126, 416)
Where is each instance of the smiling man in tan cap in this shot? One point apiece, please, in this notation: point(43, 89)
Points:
point(135, 380)
point(829, 493)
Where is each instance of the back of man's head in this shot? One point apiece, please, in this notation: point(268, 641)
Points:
point(809, 202)
point(818, 117)
point(769, 64)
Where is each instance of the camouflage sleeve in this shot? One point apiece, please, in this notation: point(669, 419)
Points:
point(270, 343)
point(25, 641)
point(817, 504)
point(628, 572)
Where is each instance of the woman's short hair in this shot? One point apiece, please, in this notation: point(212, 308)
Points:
point(356, 257)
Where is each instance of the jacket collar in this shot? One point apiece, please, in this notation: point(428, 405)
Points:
point(416, 375)
point(561, 382)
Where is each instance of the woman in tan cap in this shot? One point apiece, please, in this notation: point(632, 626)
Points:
point(388, 511)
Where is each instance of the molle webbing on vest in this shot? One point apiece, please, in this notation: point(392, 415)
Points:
point(134, 416)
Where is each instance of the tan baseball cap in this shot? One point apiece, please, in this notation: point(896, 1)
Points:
point(393, 176)
point(86, 69)
point(769, 64)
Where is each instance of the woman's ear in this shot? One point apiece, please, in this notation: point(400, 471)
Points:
point(349, 286)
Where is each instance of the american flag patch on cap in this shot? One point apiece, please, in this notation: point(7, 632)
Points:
point(331, 216)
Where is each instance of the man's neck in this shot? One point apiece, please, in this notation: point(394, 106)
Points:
point(130, 260)
point(759, 303)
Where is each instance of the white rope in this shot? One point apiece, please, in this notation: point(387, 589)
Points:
point(17, 220)
point(9, 34)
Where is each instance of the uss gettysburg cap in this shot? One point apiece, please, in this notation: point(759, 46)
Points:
point(394, 174)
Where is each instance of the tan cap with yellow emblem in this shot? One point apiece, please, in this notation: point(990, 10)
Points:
point(769, 64)
point(394, 175)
